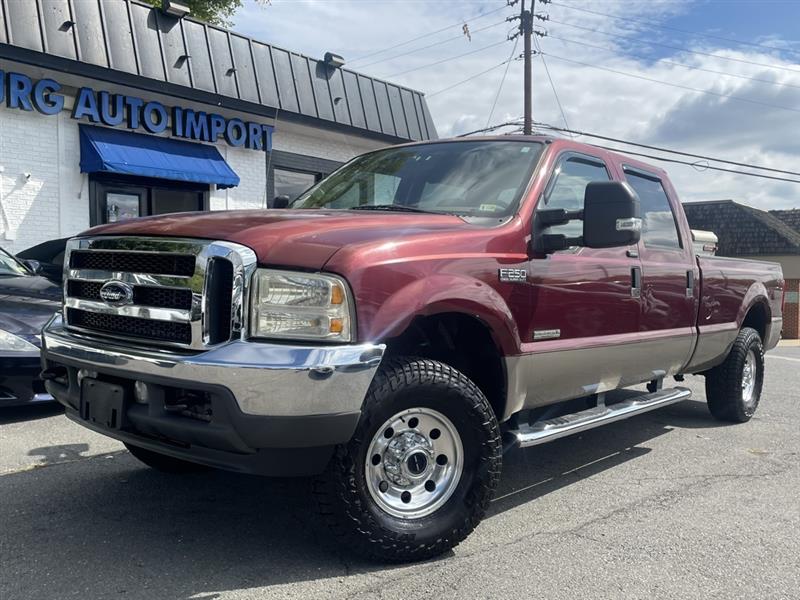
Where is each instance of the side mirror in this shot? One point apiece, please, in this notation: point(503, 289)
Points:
point(610, 215)
point(610, 218)
point(281, 201)
point(34, 266)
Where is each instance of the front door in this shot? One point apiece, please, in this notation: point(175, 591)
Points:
point(585, 309)
point(117, 198)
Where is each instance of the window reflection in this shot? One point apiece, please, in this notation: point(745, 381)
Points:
point(569, 190)
point(658, 222)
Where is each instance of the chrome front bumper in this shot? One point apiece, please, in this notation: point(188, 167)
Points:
point(265, 379)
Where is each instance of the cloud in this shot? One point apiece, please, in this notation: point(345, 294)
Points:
point(593, 100)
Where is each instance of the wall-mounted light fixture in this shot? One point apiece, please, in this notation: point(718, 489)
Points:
point(333, 60)
point(175, 9)
point(67, 25)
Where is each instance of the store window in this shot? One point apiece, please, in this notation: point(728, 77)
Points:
point(293, 183)
point(119, 198)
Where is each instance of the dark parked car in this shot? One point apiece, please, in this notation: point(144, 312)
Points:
point(46, 259)
point(27, 301)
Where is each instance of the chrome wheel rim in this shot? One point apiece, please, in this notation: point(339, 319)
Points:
point(414, 463)
point(749, 379)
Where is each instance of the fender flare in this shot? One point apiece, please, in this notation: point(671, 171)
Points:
point(756, 294)
point(447, 293)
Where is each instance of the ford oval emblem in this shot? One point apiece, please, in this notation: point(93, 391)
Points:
point(116, 293)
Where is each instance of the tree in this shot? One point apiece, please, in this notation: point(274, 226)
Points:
point(217, 12)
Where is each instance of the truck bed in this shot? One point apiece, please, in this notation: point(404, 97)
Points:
point(728, 287)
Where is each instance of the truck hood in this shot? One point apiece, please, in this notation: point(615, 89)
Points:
point(291, 238)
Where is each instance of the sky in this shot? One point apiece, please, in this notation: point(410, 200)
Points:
point(733, 69)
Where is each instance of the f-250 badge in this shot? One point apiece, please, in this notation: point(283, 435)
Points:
point(513, 275)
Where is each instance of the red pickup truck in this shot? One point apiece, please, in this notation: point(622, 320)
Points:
point(404, 322)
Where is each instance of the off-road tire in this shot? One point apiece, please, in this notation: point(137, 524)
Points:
point(164, 463)
point(724, 382)
point(342, 494)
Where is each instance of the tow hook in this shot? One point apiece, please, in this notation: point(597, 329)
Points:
point(53, 374)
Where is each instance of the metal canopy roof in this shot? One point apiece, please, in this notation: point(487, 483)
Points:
point(132, 43)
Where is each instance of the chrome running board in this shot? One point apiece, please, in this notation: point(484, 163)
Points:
point(558, 427)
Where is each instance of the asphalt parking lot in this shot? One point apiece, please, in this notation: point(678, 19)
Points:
point(666, 505)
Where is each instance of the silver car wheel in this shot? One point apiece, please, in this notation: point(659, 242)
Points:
point(749, 376)
point(414, 463)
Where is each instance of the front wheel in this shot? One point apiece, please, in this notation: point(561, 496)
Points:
point(733, 389)
point(420, 470)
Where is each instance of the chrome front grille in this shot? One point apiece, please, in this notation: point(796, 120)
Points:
point(143, 295)
point(184, 293)
point(181, 265)
point(132, 327)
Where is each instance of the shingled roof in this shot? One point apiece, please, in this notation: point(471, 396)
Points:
point(791, 217)
point(744, 230)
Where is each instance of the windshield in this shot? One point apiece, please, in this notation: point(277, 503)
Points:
point(473, 178)
point(10, 265)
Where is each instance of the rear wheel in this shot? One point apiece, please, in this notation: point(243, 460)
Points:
point(733, 389)
point(164, 463)
point(420, 470)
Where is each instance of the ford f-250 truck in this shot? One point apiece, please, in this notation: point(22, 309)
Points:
point(404, 322)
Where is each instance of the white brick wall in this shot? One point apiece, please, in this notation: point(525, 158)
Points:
point(30, 205)
point(54, 202)
point(251, 167)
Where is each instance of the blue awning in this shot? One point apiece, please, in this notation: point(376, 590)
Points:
point(114, 151)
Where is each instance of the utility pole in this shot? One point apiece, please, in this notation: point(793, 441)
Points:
point(526, 29)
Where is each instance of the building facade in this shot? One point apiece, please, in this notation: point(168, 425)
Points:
point(748, 232)
point(111, 109)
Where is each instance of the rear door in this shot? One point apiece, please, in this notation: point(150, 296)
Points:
point(670, 275)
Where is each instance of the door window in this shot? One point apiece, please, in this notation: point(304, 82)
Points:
point(121, 206)
point(569, 187)
point(659, 228)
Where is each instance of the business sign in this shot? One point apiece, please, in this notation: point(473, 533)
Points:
point(20, 91)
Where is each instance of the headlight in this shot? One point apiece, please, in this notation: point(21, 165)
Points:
point(300, 306)
point(13, 343)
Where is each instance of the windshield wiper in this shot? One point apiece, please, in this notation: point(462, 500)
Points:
point(391, 208)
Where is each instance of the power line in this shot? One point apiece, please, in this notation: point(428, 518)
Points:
point(444, 60)
point(705, 167)
point(450, 87)
point(678, 48)
point(552, 85)
point(502, 81)
point(492, 127)
point(677, 64)
point(439, 43)
point(517, 123)
point(649, 23)
point(675, 85)
point(669, 150)
point(459, 23)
